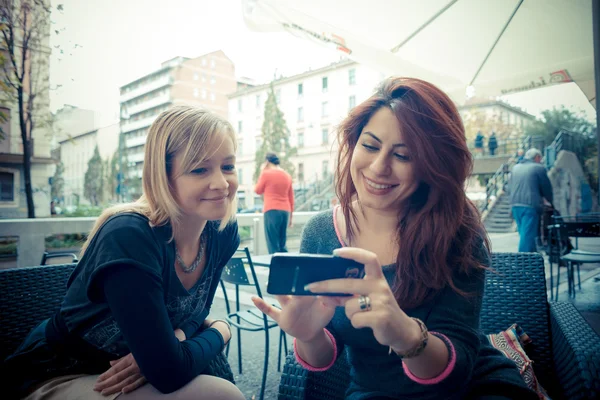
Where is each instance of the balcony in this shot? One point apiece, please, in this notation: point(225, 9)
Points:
point(146, 105)
point(164, 80)
point(139, 124)
point(135, 141)
point(136, 157)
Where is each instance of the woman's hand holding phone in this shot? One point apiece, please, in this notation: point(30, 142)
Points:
point(302, 317)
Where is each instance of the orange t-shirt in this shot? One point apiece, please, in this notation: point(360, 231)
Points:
point(276, 187)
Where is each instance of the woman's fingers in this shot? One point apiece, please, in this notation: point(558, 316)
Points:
point(118, 387)
point(116, 367)
point(139, 382)
point(266, 308)
point(117, 378)
point(369, 259)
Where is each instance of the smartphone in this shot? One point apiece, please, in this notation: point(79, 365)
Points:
point(289, 272)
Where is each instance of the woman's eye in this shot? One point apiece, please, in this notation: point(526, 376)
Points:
point(369, 147)
point(229, 168)
point(199, 171)
point(401, 157)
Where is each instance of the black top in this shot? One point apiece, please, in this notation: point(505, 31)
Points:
point(124, 296)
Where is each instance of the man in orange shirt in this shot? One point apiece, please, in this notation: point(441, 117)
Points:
point(276, 187)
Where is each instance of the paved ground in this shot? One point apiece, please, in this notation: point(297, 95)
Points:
point(253, 343)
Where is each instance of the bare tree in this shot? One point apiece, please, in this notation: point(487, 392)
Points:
point(25, 30)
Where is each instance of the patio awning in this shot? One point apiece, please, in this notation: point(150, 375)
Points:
point(490, 48)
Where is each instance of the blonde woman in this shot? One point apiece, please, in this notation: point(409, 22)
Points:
point(136, 304)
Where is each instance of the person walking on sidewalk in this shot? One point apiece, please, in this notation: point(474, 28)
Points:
point(276, 186)
point(529, 186)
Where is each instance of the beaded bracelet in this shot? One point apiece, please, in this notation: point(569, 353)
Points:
point(415, 351)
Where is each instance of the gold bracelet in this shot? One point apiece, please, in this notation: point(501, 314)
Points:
point(417, 350)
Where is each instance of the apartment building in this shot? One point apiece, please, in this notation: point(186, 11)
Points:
point(13, 202)
point(313, 103)
point(75, 154)
point(203, 81)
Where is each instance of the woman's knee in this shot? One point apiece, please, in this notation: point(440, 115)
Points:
point(211, 387)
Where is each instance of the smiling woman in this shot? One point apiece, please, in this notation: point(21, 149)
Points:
point(403, 213)
point(134, 318)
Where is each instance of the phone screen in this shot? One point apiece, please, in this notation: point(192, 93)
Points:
point(289, 273)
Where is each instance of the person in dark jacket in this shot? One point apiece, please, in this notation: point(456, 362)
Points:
point(479, 143)
point(134, 318)
point(528, 187)
point(492, 144)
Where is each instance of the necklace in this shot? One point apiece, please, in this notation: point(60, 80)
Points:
point(196, 262)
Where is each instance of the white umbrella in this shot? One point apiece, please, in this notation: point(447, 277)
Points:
point(490, 48)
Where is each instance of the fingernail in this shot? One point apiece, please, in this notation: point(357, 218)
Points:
point(336, 251)
point(310, 287)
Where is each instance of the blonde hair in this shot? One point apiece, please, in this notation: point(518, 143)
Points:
point(194, 134)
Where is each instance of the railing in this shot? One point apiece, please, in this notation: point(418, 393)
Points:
point(32, 233)
point(565, 140)
point(499, 180)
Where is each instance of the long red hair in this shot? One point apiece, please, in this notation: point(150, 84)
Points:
point(439, 228)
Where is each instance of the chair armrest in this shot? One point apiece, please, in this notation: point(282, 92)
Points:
point(576, 352)
point(298, 383)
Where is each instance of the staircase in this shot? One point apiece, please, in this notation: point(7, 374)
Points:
point(500, 219)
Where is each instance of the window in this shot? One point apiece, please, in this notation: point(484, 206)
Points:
point(213, 64)
point(324, 109)
point(351, 102)
point(240, 176)
point(258, 101)
point(278, 96)
point(240, 105)
point(300, 89)
point(325, 169)
point(301, 172)
point(203, 77)
point(300, 114)
point(240, 125)
point(213, 97)
point(7, 186)
point(203, 93)
point(300, 140)
point(324, 84)
point(325, 136)
point(195, 76)
point(195, 92)
point(204, 62)
point(213, 80)
point(352, 76)
point(5, 129)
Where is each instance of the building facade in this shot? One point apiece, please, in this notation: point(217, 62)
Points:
point(313, 104)
point(203, 81)
point(75, 154)
point(13, 201)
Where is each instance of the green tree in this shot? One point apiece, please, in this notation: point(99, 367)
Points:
point(93, 182)
point(275, 137)
point(58, 182)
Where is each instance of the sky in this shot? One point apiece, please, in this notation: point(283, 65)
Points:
point(104, 44)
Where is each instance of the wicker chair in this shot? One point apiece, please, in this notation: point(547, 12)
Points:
point(32, 294)
point(565, 349)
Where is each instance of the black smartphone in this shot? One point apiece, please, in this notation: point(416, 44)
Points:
point(289, 272)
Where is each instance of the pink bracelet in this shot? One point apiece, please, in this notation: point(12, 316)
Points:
point(444, 374)
point(309, 367)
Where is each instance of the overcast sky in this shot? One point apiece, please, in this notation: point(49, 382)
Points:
point(107, 43)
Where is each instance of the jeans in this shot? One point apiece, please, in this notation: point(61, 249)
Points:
point(276, 222)
point(528, 221)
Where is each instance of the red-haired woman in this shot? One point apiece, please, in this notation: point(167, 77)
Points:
point(403, 212)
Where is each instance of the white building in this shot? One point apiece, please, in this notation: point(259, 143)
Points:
point(313, 104)
point(71, 120)
point(76, 152)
